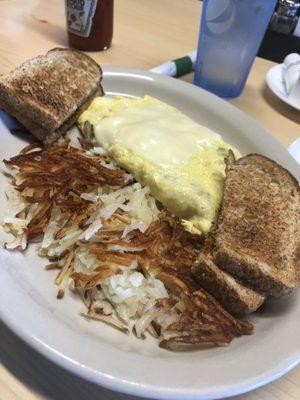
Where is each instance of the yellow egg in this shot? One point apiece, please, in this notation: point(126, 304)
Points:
point(181, 161)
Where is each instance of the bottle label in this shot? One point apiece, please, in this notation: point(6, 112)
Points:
point(80, 14)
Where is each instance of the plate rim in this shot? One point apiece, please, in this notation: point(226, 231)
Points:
point(135, 388)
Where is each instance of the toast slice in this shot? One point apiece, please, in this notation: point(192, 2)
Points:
point(235, 297)
point(47, 94)
point(258, 231)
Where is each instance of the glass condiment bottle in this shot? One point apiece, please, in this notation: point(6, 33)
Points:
point(90, 24)
point(286, 16)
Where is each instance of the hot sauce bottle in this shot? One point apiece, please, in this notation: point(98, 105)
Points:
point(90, 24)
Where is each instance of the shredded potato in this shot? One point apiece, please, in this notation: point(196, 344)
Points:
point(103, 232)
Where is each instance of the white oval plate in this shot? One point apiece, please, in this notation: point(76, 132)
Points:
point(275, 83)
point(97, 352)
point(294, 150)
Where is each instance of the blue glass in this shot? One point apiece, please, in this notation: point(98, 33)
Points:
point(230, 35)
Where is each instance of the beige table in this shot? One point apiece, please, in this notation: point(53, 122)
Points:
point(147, 32)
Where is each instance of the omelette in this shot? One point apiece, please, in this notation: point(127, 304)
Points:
point(181, 161)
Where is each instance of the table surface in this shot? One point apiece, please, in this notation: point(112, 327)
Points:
point(146, 34)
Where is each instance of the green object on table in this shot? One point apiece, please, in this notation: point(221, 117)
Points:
point(183, 66)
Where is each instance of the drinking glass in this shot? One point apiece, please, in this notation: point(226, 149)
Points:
point(230, 35)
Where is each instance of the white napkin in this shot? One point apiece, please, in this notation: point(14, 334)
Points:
point(177, 67)
point(291, 76)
